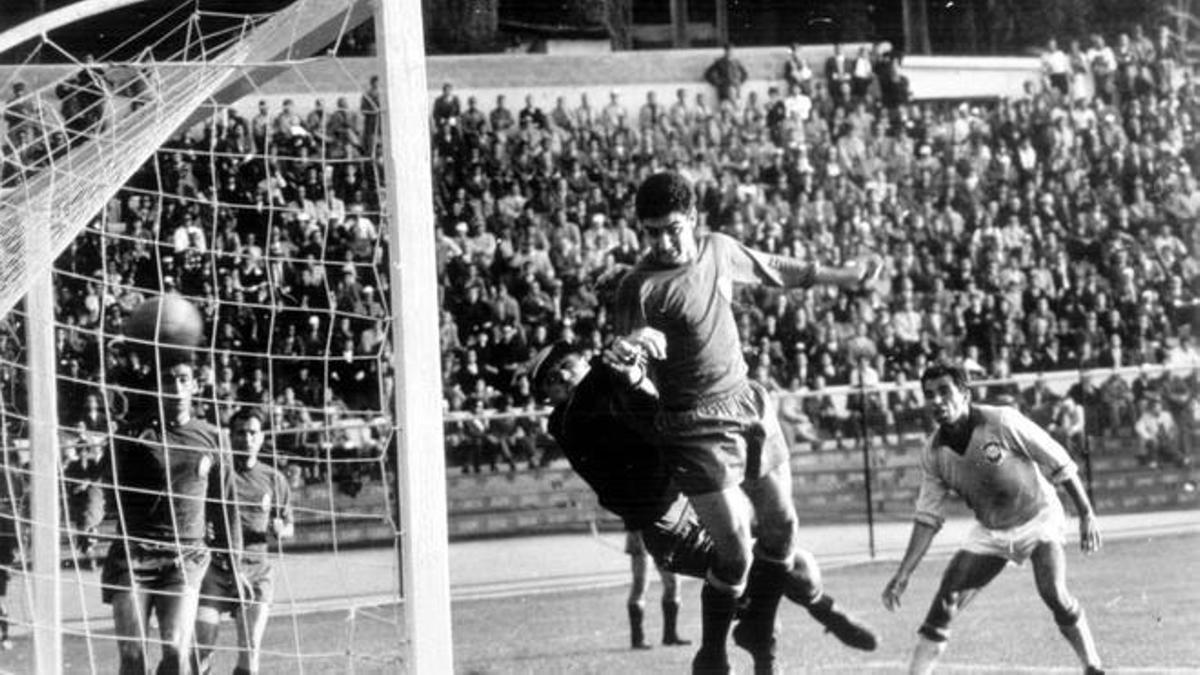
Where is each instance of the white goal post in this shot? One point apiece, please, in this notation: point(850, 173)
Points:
point(424, 637)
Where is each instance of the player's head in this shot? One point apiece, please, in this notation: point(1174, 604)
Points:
point(555, 371)
point(177, 383)
point(246, 434)
point(946, 392)
point(666, 211)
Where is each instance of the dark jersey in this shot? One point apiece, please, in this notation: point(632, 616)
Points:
point(256, 496)
point(161, 479)
point(604, 431)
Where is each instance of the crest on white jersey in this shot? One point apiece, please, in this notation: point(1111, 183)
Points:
point(993, 453)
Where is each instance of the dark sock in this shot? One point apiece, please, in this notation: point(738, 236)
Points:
point(637, 637)
point(670, 610)
point(717, 609)
point(764, 588)
point(819, 607)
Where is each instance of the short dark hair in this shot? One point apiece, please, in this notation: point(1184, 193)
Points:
point(548, 361)
point(246, 414)
point(938, 369)
point(663, 194)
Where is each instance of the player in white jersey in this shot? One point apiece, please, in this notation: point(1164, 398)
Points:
point(994, 458)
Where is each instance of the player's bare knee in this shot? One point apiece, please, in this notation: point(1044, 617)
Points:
point(1065, 607)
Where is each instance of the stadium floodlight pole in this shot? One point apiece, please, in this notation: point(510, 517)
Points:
point(421, 462)
point(44, 460)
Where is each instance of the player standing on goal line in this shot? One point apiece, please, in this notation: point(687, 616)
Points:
point(604, 424)
point(717, 429)
point(242, 582)
point(165, 469)
point(993, 457)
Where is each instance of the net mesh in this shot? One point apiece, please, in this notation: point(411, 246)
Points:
point(176, 164)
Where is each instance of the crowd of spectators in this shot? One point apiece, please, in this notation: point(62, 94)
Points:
point(1051, 231)
point(270, 224)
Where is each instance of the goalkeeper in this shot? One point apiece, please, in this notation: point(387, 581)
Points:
point(240, 581)
point(603, 422)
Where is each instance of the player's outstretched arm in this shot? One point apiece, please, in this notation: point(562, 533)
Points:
point(918, 545)
point(858, 275)
point(1089, 529)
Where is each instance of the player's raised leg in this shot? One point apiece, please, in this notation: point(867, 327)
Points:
point(966, 574)
point(1050, 573)
point(804, 587)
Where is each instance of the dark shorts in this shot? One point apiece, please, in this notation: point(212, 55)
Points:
point(677, 541)
point(165, 568)
point(723, 442)
point(220, 587)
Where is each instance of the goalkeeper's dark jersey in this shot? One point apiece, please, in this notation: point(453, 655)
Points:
point(604, 430)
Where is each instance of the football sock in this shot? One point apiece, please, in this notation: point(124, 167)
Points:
point(925, 656)
point(637, 636)
point(670, 610)
point(755, 631)
point(717, 610)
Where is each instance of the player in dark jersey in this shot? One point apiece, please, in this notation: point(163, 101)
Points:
point(994, 457)
point(605, 428)
point(165, 471)
point(718, 432)
point(241, 582)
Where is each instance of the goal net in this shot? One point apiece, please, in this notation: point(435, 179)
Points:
point(241, 162)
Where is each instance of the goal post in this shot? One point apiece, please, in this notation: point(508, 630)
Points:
point(112, 188)
point(421, 471)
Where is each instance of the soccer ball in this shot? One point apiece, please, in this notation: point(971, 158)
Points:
point(169, 320)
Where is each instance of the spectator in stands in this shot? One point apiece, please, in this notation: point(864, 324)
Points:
point(838, 73)
point(797, 74)
point(861, 75)
point(1157, 433)
point(446, 108)
point(370, 107)
point(727, 75)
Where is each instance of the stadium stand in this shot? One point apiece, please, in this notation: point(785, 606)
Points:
point(1054, 231)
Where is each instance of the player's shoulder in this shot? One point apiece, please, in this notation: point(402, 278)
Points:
point(985, 413)
point(998, 415)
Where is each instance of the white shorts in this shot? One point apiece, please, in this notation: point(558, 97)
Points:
point(1017, 543)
